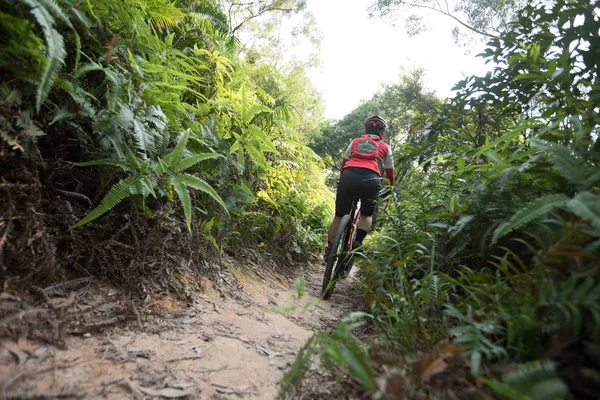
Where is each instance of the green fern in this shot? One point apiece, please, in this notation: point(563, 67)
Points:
point(199, 184)
point(567, 306)
point(174, 163)
point(56, 10)
point(532, 211)
point(473, 336)
point(117, 193)
point(571, 165)
point(209, 16)
point(184, 198)
point(55, 48)
point(162, 14)
point(537, 380)
point(339, 349)
point(587, 206)
point(189, 162)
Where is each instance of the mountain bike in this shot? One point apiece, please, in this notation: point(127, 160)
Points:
point(340, 256)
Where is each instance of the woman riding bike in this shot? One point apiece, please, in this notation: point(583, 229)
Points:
point(360, 177)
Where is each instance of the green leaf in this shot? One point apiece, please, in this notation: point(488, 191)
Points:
point(527, 76)
point(199, 184)
point(106, 161)
point(55, 50)
point(184, 198)
point(174, 157)
point(568, 163)
point(195, 159)
point(503, 390)
point(587, 206)
point(536, 209)
point(249, 114)
point(117, 193)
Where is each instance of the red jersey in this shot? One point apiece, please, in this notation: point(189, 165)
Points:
point(366, 152)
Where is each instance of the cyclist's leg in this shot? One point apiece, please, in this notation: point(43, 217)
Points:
point(370, 188)
point(343, 203)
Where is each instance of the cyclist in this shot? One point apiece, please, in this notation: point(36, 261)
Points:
point(360, 176)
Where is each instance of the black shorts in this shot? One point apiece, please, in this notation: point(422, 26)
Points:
point(360, 182)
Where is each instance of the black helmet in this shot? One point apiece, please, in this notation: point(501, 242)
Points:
point(375, 125)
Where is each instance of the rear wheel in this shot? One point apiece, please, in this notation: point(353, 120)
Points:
point(336, 257)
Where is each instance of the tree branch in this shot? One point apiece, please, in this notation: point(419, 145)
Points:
point(448, 14)
point(263, 8)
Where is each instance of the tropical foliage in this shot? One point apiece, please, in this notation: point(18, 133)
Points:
point(157, 104)
point(154, 111)
point(491, 236)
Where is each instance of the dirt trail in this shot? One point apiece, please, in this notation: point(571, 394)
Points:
point(216, 348)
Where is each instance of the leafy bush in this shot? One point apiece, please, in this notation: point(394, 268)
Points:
point(492, 234)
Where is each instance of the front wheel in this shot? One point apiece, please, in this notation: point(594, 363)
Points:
point(335, 258)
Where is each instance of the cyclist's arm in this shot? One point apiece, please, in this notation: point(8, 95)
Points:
point(346, 157)
point(388, 164)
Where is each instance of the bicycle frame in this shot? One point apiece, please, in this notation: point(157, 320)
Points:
point(354, 215)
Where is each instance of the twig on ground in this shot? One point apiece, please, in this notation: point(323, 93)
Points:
point(5, 235)
point(231, 390)
point(195, 357)
point(209, 371)
point(137, 393)
point(137, 315)
point(108, 322)
point(50, 394)
point(43, 295)
point(50, 289)
point(75, 195)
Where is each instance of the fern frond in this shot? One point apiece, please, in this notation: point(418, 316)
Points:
point(55, 50)
point(144, 139)
point(538, 380)
point(106, 161)
point(571, 244)
point(117, 193)
point(186, 201)
point(53, 7)
point(532, 211)
point(460, 225)
point(199, 184)
point(195, 159)
point(173, 158)
point(209, 16)
point(587, 206)
point(567, 162)
point(162, 14)
point(570, 302)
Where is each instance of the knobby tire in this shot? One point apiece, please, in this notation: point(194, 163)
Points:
point(335, 257)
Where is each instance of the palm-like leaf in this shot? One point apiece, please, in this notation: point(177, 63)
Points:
point(116, 194)
point(536, 209)
point(199, 184)
point(586, 205)
point(186, 201)
point(55, 49)
point(189, 162)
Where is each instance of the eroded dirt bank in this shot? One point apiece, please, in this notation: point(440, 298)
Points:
point(215, 347)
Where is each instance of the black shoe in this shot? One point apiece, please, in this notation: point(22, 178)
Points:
point(347, 266)
point(326, 254)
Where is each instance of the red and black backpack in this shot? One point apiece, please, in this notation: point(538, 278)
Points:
point(366, 147)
